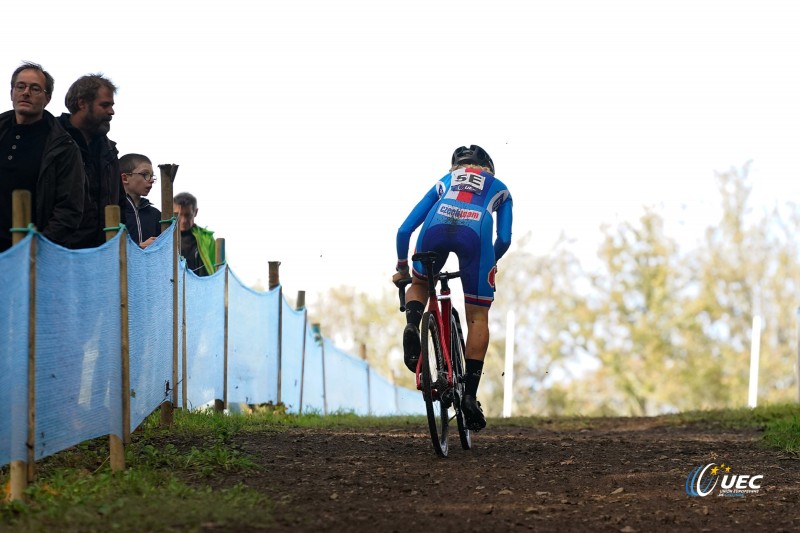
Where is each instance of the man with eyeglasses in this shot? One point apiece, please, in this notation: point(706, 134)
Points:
point(37, 155)
point(90, 101)
point(142, 218)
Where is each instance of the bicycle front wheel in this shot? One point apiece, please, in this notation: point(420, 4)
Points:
point(457, 351)
point(431, 373)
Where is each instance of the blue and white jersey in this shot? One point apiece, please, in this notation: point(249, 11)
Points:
point(456, 215)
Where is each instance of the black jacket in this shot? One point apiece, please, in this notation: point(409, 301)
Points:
point(60, 186)
point(143, 221)
point(103, 185)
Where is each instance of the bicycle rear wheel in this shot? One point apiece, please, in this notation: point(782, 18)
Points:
point(431, 372)
point(457, 350)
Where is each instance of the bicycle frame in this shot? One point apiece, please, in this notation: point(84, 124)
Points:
point(441, 307)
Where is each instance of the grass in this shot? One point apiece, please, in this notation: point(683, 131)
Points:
point(170, 472)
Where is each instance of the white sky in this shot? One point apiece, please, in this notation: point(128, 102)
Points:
point(308, 129)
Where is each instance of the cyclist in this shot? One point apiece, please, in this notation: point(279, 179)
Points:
point(456, 216)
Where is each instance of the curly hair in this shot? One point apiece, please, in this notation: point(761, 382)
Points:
point(86, 88)
point(470, 165)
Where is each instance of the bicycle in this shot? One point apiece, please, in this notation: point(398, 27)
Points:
point(442, 356)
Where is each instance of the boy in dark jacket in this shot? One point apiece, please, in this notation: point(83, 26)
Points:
point(141, 217)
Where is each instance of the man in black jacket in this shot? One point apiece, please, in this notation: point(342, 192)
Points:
point(37, 155)
point(90, 100)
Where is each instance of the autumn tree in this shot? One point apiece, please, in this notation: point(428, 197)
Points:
point(747, 266)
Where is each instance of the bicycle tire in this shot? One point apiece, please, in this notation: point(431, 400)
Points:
point(432, 364)
point(457, 352)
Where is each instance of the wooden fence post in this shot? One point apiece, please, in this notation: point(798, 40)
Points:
point(275, 281)
point(23, 472)
point(797, 368)
point(221, 404)
point(168, 172)
point(116, 445)
point(363, 350)
point(317, 329)
point(301, 304)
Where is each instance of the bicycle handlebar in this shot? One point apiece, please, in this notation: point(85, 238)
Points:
point(401, 285)
point(401, 288)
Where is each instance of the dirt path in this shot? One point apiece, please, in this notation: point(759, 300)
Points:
point(624, 475)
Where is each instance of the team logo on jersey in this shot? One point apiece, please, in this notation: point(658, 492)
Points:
point(491, 276)
point(468, 181)
point(499, 199)
point(451, 211)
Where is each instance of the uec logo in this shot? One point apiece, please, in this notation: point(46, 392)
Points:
point(701, 482)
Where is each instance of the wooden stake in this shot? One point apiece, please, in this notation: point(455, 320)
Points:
point(168, 172)
point(23, 472)
point(275, 281)
point(303, 352)
point(317, 329)
point(116, 445)
point(167, 178)
point(221, 405)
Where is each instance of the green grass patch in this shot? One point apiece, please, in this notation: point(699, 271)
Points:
point(737, 418)
point(136, 499)
point(784, 434)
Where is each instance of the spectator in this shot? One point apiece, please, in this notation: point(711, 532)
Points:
point(142, 218)
point(90, 100)
point(198, 246)
point(37, 155)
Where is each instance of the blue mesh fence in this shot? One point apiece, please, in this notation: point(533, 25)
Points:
point(252, 343)
point(313, 381)
point(205, 337)
point(293, 324)
point(345, 381)
point(78, 346)
point(382, 399)
point(78, 349)
point(150, 312)
point(14, 322)
point(409, 402)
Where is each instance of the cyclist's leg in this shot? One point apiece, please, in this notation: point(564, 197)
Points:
point(417, 292)
point(477, 331)
point(477, 273)
point(417, 296)
point(477, 344)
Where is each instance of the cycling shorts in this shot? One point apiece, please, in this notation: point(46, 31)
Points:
point(475, 254)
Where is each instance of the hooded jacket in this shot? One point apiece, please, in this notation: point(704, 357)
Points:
point(143, 221)
point(206, 247)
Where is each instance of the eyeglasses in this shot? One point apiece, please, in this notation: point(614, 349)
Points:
point(149, 178)
point(36, 90)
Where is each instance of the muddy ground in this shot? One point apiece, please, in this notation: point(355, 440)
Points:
point(624, 475)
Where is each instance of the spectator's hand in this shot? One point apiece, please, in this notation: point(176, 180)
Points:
point(400, 276)
point(147, 243)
